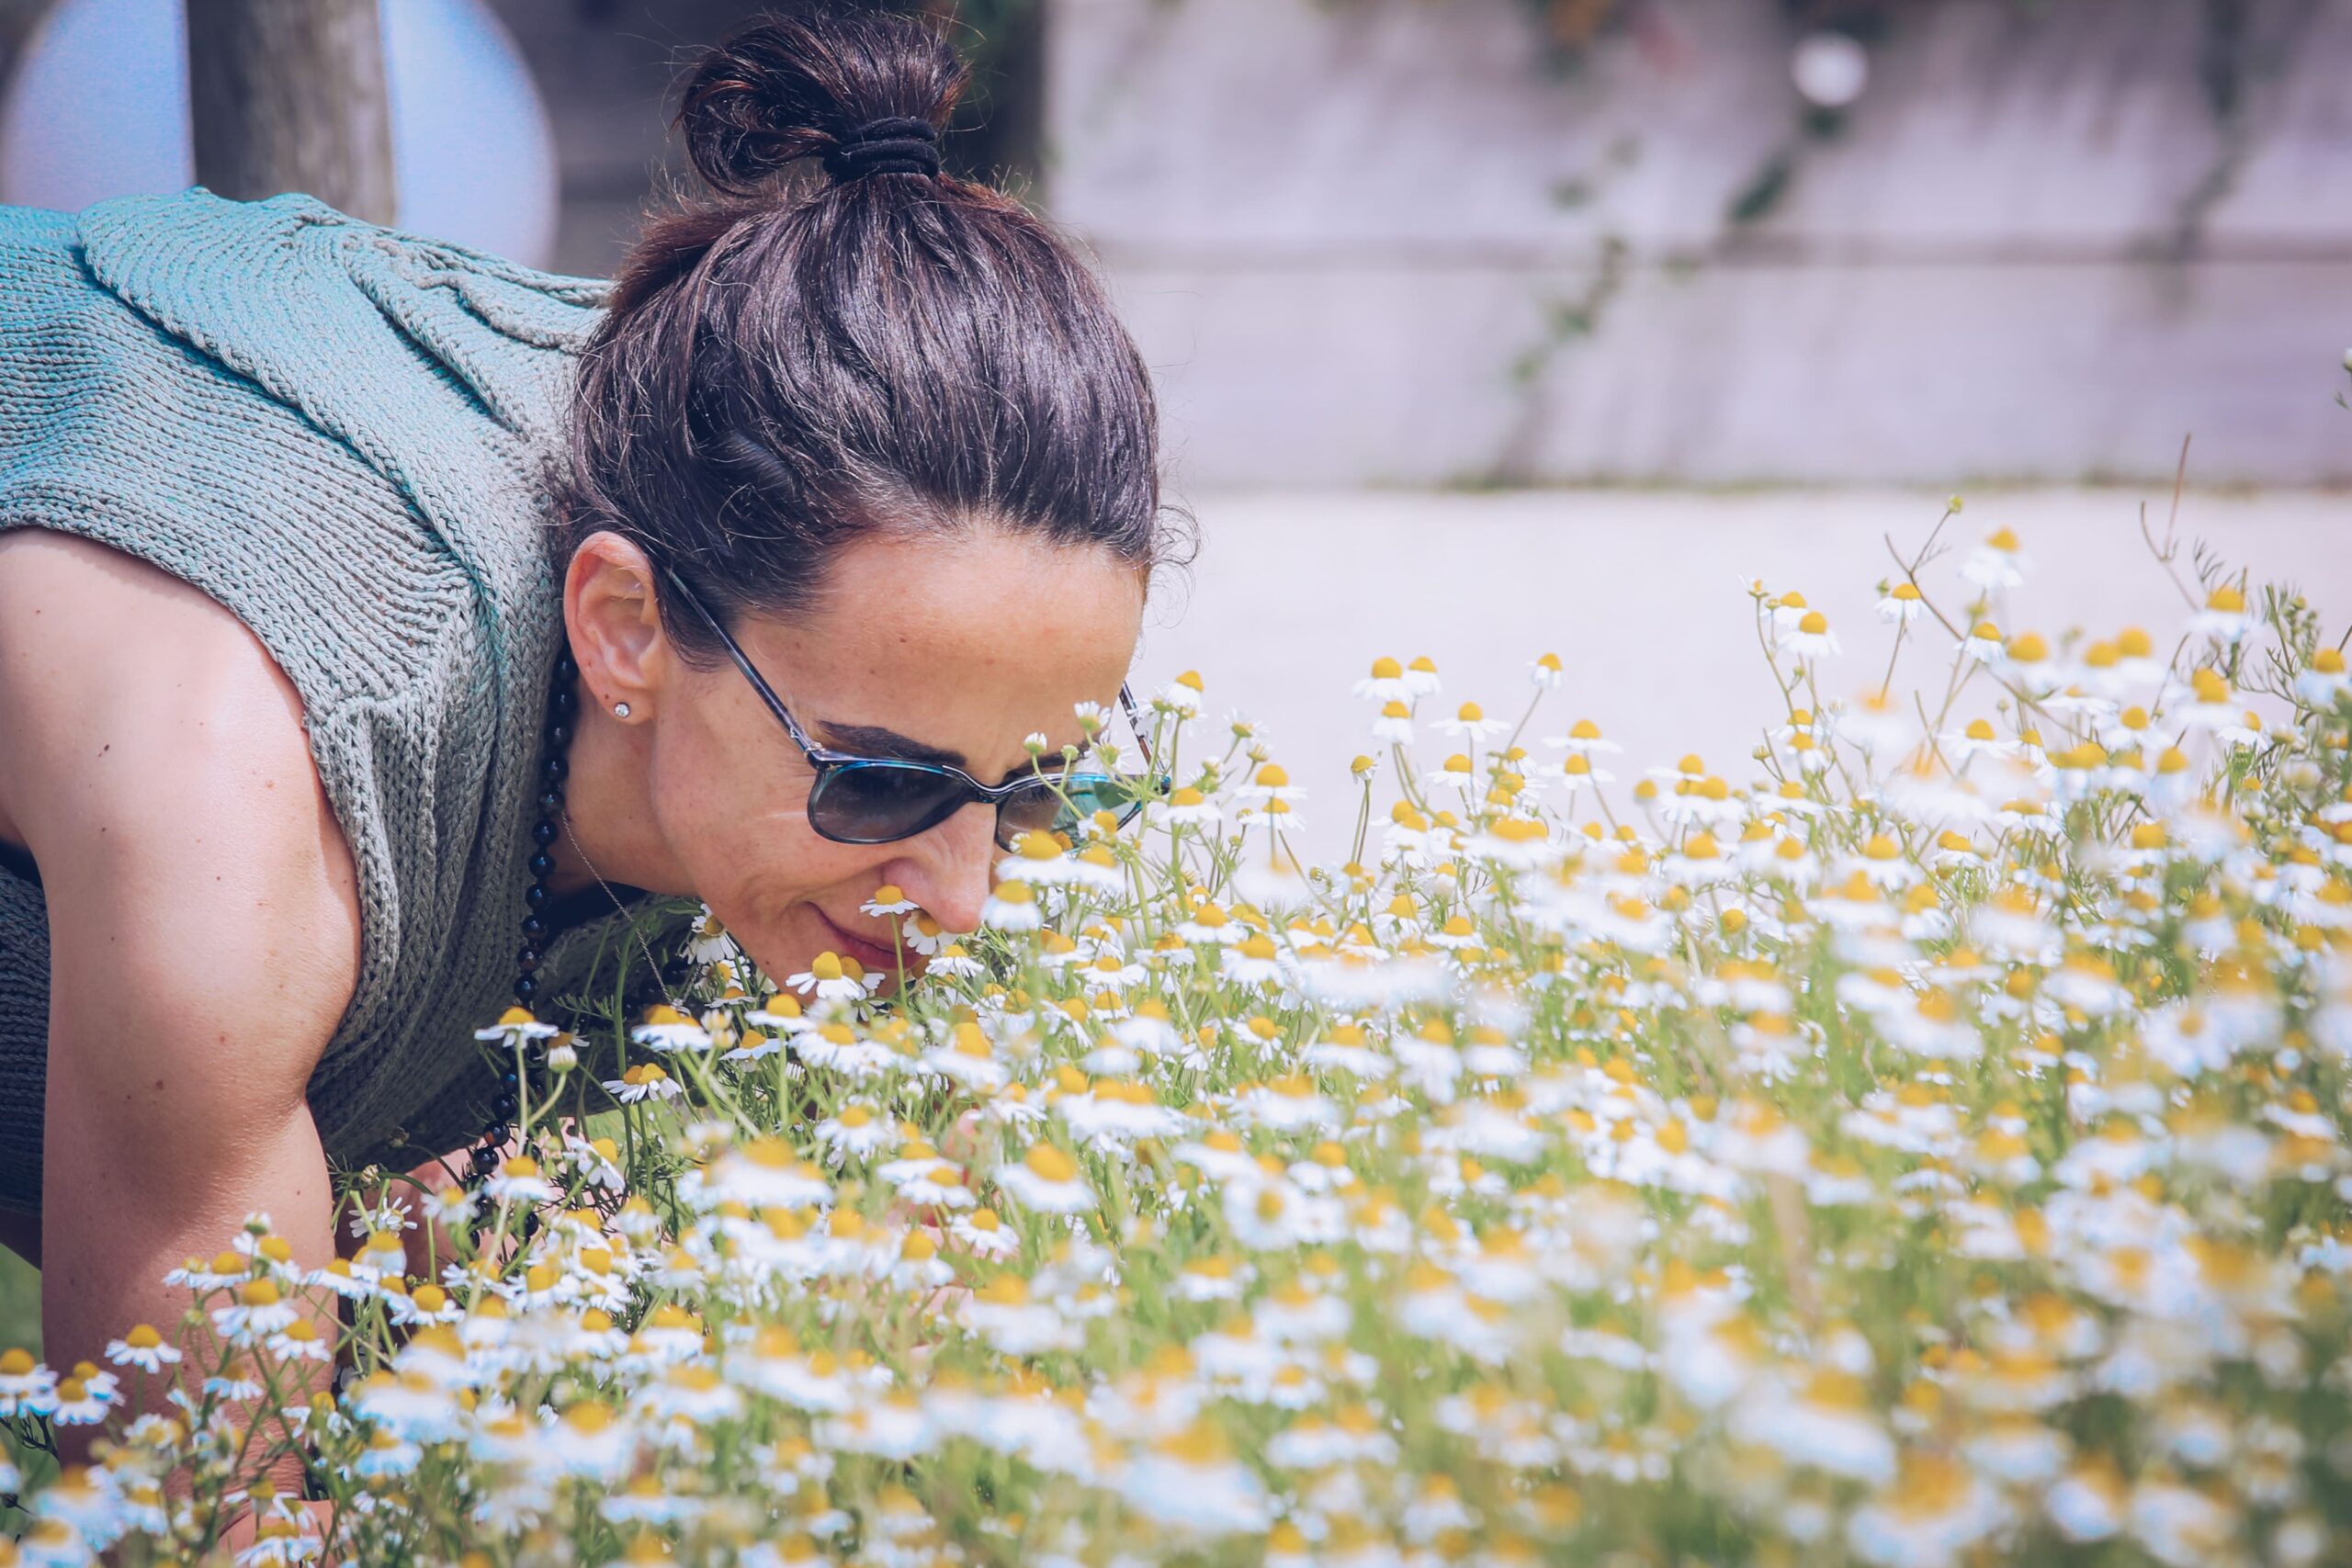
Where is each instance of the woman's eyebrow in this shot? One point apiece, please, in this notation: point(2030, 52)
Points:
point(874, 740)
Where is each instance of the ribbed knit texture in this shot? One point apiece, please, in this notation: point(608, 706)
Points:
point(330, 427)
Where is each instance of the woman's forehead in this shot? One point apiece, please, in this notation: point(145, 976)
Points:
point(954, 646)
point(984, 581)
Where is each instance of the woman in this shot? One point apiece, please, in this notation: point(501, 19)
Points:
point(304, 527)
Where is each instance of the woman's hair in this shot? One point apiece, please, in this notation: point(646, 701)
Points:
point(794, 362)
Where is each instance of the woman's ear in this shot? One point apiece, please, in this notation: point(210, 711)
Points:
point(615, 623)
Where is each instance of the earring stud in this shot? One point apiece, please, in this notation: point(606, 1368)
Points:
point(620, 710)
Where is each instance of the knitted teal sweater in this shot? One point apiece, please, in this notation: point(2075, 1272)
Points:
point(338, 431)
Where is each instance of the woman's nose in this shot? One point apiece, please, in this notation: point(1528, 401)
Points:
point(948, 869)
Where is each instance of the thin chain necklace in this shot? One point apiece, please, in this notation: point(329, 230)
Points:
point(563, 706)
point(652, 967)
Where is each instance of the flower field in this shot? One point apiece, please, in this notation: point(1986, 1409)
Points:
point(1921, 1141)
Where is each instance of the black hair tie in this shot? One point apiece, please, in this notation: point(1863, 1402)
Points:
point(896, 144)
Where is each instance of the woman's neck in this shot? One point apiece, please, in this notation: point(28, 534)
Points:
point(609, 810)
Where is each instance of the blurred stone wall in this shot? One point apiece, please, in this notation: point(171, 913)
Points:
point(609, 71)
point(1371, 242)
point(1383, 241)
point(606, 69)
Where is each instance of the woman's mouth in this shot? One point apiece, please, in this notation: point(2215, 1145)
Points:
point(881, 960)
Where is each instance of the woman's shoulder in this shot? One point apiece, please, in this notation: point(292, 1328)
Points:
point(380, 335)
point(341, 431)
point(334, 430)
point(158, 770)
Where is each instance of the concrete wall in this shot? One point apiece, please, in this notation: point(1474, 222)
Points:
point(2037, 248)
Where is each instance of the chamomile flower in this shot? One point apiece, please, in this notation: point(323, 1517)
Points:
point(2324, 684)
point(1521, 844)
point(1784, 611)
point(924, 937)
point(1810, 638)
point(1269, 786)
point(856, 1132)
point(1386, 683)
point(517, 1024)
point(1584, 738)
point(920, 1176)
point(1578, 771)
point(1662, 1095)
point(1272, 878)
point(781, 1011)
point(1394, 723)
point(1976, 737)
point(829, 977)
point(1883, 860)
point(1012, 906)
point(2224, 617)
point(1003, 1313)
point(754, 1045)
point(1048, 1181)
point(260, 1309)
point(1185, 806)
point(983, 1234)
point(1040, 861)
point(888, 900)
point(85, 1394)
point(642, 1082)
point(2024, 663)
point(836, 1047)
point(1190, 1483)
point(763, 1173)
point(1471, 720)
point(1901, 605)
point(1180, 696)
point(954, 961)
point(300, 1341)
point(1255, 959)
point(667, 1029)
point(1931, 1516)
point(448, 1204)
point(143, 1348)
point(1825, 1423)
point(517, 1181)
point(1997, 563)
point(1875, 724)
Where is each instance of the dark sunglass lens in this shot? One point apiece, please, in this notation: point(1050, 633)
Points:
point(1029, 809)
point(1039, 808)
point(872, 803)
point(1097, 792)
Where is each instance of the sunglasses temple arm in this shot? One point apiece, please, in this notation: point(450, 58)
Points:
point(743, 662)
point(1135, 722)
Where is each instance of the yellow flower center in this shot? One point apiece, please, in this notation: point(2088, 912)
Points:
point(1049, 1163)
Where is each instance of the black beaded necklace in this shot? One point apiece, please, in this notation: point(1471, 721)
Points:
point(563, 708)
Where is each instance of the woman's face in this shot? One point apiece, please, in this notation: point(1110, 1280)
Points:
point(951, 648)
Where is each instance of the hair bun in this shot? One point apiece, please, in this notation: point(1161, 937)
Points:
point(865, 91)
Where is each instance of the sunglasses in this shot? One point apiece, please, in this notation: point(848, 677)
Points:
point(877, 800)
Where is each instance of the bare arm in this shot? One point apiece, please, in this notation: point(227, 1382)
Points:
point(204, 932)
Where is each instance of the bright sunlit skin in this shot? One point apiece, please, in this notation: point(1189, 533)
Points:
point(965, 643)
